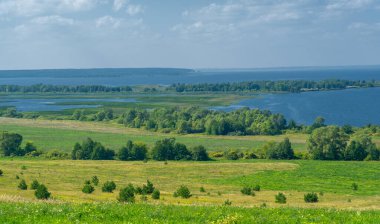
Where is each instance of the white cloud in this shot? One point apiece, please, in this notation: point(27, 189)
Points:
point(77, 5)
point(23, 7)
point(53, 20)
point(108, 21)
point(347, 4)
point(134, 9)
point(119, 4)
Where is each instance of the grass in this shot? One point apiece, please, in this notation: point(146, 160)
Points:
point(142, 213)
point(222, 181)
point(62, 135)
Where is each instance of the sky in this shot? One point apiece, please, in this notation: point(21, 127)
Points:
point(42, 34)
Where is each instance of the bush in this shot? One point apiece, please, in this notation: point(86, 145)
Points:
point(257, 188)
point(95, 180)
point(22, 185)
point(246, 191)
point(42, 192)
point(88, 189)
point(156, 194)
point(127, 194)
point(233, 155)
point(311, 197)
point(34, 185)
point(148, 188)
point(199, 153)
point(202, 189)
point(227, 202)
point(138, 190)
point(280, 198)
point(182, 192)
point(355, 186)
point(1, 173)
point(109, 186)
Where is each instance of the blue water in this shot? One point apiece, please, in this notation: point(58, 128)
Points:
point(117, 77)
point(357, 107)
point(33, 105)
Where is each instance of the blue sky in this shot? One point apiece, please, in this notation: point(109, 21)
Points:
point(188, 33)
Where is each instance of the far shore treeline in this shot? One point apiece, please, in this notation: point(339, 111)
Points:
point(248, 86)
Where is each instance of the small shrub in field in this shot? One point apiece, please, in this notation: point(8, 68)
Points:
point(34, 185)
point(247, 191)
point(182, 192)
point(17, 177)
point(42, 192)
point(280, 198)
point(257, 188)
point(127, 194)
point(227, 202)
point(138, 190)
point(109, 186)
point(148, 188)
point(321, 193)
point(156, 194)
point(87, 182)
point(23, 167)
point(22, 185)
point(219, 193)
point(263, 205)
point(95, 180)
point(202, 189)
point(1, 173)
point(88, 189)
point(355, 186)
point(311, 197)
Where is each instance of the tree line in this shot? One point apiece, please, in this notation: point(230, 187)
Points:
point(197, 120)
point(45, 88)
point(272, 86)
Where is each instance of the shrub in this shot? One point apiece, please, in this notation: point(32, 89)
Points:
point(182, 192)
point(247, 191)
point(127, 194)
point(199, 153)
point(148, 188)
point(1, 173)
point(280, 198)
point(233, 155)
point(202, 189)
point(311, 197)
point(138, 190)
point(17, 177)
point(23, 167)
point(42, 192)
point(257, 188)
point(355, 186)
point(227, 202)
point(34, 185)
point(88, 189)
point(156, 194)
point(87, 182)
point(109, 186)
point(22, 185)
point(95, 180)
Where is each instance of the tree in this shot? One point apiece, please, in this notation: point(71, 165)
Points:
point(88, 189)
point(95, 180)
point(42, 192)
point(29, 147)
point(133, 151)
point(163, 149)
point(10, 143)
point(282, 150)
point(22, 185)
point(318, 123)
point(34, 185)
point(327, 143)
point(91, 150)
point(109, 186)
point(1, 173)
point(127, 194)
point(199, 153)
point(280, 198)
point(311, 197)
point(148, 188)
point(156, 194)
point(182, 192)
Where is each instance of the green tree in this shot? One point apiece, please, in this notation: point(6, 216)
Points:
point(95, 180)
point(199, 153)
point(327, 143)
point(182, 192)
point(156, 194)
point(10, 143)
point(109, 186)
point(22, 185)
point(88, 189)
point(42, 192)
point(127, 194)
point(280, 198)
point(34, 185)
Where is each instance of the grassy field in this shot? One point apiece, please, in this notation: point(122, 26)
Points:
point(115, 213)
point(62, 135)
point(222, 180)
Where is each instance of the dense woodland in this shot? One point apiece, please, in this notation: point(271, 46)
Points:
point(197, 120)
point(273, 86)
